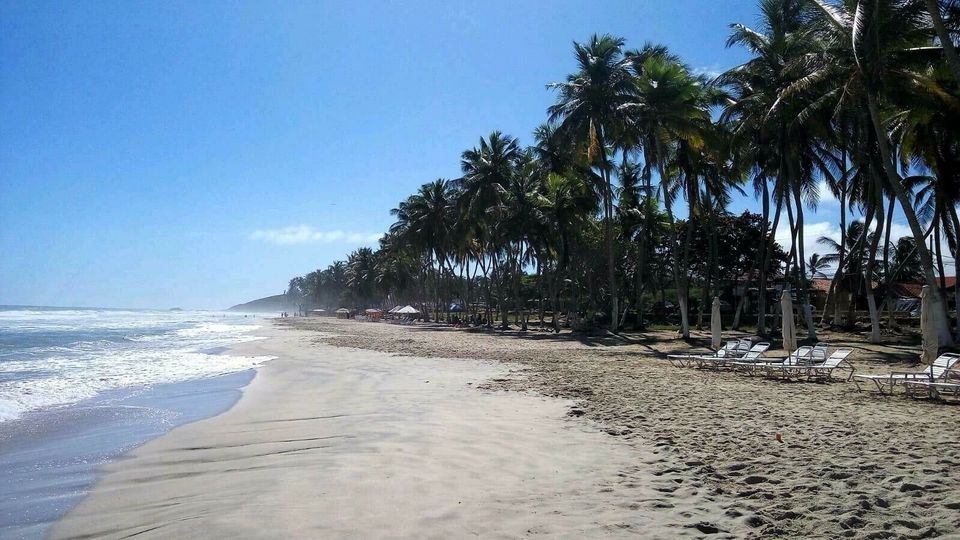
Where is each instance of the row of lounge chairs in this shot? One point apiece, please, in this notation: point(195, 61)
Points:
point(817, 363)
point(812, 363)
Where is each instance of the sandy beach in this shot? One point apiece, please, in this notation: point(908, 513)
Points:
point(379, 430)
point(338, 442)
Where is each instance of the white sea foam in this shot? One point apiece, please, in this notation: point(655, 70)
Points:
point(57, 357)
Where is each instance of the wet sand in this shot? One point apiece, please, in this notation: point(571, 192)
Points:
point(340, 442)
point(49, 458)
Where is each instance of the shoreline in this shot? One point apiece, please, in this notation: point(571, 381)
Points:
point(340, 441)
point(52, 459)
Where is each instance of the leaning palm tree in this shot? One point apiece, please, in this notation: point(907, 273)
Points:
point(926, 131)
point(875, 52)
point(590, 108)
point(943, 35)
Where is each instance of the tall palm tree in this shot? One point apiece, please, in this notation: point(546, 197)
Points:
point(424, 220)
point(876, 50)
point(759, 116)
point(591, 109)
point(487, 171)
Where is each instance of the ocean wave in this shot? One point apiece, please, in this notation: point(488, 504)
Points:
point(97, 357)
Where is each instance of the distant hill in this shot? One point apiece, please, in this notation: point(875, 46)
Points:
point(272, 304)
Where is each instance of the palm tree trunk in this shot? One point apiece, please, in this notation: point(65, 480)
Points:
point(938, 251)
point(679, 282)
point(684, 285)
point(642, 259)
point(804, 286)
point(887, 274)
point(944, 36)
point(761, 259)
point(764, 268)
point(608, 229)
point(842, 252)
point(956, 268)
point(868, 275)
point(792, 223)
point(926, 262)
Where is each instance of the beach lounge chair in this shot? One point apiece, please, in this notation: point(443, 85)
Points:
point(819, 353)
point(797, 357)
point(937, 390)
point(733, 349)
point(818, 372)
point(755, 354)
point(936, 372)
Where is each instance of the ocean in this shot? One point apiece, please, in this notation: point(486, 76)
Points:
point(79, 387)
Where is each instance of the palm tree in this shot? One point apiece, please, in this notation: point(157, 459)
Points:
point(816, 266)
point(424, 220)
point(295, 293)
point(565, 206)
point(669, 109)
point(876, 51)
point(760, 118)
point(487, 171)
point(590, 108)
point(361, 276)
point(926, 133)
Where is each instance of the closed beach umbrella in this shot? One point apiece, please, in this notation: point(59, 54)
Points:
point(928, 329)
point(715, 324)
point(789, 328)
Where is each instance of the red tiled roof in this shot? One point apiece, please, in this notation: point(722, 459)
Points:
point(914, 289)
point(820, 284)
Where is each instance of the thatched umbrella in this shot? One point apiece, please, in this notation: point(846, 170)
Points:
point(789, 327)
point(715, 326)
point(930, 346)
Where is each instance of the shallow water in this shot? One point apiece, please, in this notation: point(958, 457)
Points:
point(79, 387)
point(50, 458)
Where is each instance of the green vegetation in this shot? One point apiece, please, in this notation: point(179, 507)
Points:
point(623, 194)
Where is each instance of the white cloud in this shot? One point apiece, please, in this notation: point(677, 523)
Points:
point(811, 232)
point(826, 196)
point(304, 234)
point(712, 71)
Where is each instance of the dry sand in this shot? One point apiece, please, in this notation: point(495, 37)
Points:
point(849, 464)
point(338, 442)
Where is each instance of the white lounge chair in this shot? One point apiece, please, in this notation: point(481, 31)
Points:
point(938, 390)
point(807, 355)
point(819, 372)
point(733, 349)
point(797, 357)
point(936, 372)
point(754, 355)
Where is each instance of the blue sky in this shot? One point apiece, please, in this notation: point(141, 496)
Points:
point(199, 154)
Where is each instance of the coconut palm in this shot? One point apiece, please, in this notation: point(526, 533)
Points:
point(817, 265)
point(487, 171)
point(591, 110)
point(875, 52)
point(761, 119)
